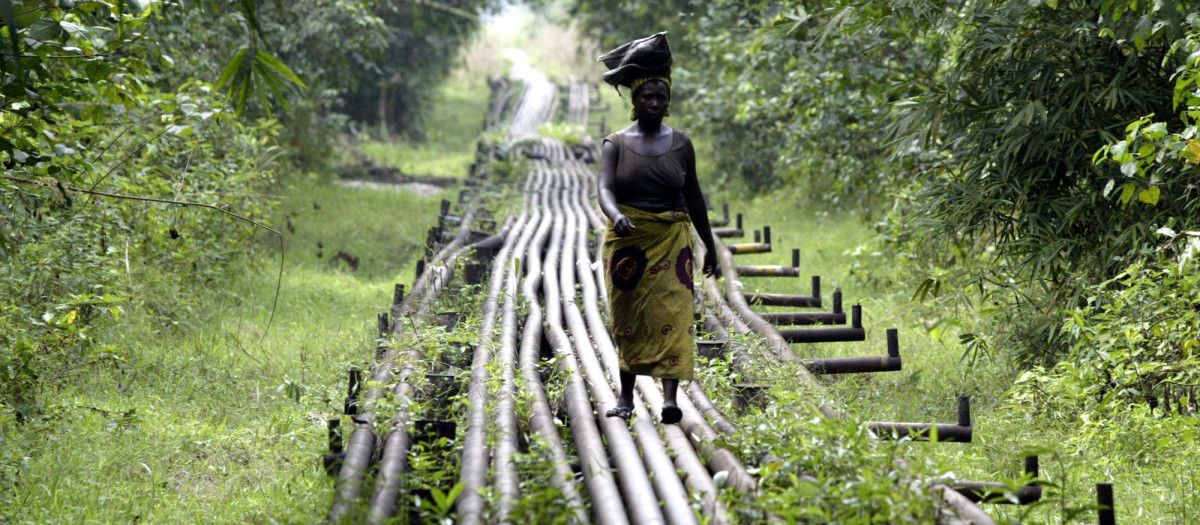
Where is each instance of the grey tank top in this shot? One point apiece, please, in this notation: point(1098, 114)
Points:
point(653, 183)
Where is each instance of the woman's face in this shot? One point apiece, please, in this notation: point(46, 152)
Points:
point(651, 100)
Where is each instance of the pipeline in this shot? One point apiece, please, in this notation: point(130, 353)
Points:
point(700, 434)
point(473, 475)
point(640, 499)
point(961, 507)
point(361, 452)
point(505, 479)
point(541, 418)
point(665, 479)
point(394, 460)
point(995, 492)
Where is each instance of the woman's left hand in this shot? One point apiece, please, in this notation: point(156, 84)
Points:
point(711, 268)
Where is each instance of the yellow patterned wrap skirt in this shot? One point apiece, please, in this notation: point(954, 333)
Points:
point(649, 280)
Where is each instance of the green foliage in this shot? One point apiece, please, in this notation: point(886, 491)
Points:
point(807, 87)
point(825, 471)
point(1138, 339)
point(222, 436)
point(614, 22)
point(418, 50)
point(90, 127)
point(1013, 206)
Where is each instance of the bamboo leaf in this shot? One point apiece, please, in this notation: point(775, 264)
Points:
point(232, 67)
point(274, 63)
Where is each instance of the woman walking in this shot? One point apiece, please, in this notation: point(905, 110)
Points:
point(651, 195)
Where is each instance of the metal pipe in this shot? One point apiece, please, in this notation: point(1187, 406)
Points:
point(350, 406)
point(675, 503)
point(737, 303)
point(505, 477)
point(964, 509)
point(768, 271)
point(823, 335)
point(730, 232)
point(361, 452)
point(705, 440)
point(394, 462)
point(754, 247)
point(705, 406)
point(858, 365)
point(724, 220)
point(473, 473)
point(1106, 512)
point(639, 494)
point(332, 460)
point(541, 418)
point(777, 299)
point(803, 318)
point(960, 433)
point(994, 492)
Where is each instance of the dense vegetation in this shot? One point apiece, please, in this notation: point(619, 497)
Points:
point(1018, 154)
point(1034, 165)
point(143, 145)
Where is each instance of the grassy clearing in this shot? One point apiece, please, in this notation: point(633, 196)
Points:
point(208, 419)
point(449, 146)
point(1155, 476)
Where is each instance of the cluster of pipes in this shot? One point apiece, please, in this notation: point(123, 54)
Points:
point(543, 264)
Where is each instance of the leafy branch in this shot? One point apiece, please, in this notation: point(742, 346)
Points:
point(279, 280)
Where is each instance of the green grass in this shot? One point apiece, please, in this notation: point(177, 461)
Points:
point(1154, 469)
point(197, 426)
point(448, 150)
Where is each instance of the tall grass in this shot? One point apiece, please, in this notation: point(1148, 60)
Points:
point(211, 417)
point(448, 148)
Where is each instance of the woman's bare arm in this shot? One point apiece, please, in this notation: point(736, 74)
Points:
point(698, 211)
point(608, 197)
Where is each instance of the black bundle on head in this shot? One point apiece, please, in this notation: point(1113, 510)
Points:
point(639, 59)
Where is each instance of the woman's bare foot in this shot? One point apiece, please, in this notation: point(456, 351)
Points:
point(671, 413)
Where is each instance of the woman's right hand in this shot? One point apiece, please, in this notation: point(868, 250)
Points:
point(622, 225)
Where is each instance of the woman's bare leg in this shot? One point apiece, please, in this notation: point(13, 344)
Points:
point(670, 412)
point(670, 386)
point(627, 381)
point(624, 408)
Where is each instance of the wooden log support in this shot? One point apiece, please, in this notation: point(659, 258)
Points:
point(960, 433)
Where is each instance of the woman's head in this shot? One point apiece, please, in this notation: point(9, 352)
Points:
point(651, 98)
point(644, 66)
